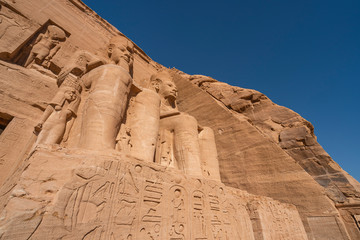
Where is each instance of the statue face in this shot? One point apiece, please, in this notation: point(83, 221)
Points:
point(119, 53)
point(167, 88)
point(70, 95)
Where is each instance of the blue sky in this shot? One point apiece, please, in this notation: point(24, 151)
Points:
point(304, 55)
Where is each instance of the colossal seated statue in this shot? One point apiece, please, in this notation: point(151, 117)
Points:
point(181, 143)
point(109, 86)
point(178, 144)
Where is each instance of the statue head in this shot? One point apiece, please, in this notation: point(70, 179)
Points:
point(56, 33)
point(70, 94)
point(120, 51)
point(163, 84)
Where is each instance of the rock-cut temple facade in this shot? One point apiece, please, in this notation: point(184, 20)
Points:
point(98, 141)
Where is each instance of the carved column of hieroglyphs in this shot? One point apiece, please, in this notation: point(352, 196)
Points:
point(151, 217)
point(199, 226)
point(101, 200)
point(179, 222)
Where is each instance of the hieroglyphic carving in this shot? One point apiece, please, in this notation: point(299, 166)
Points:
point(199, 226)
point(216, 223)
point(101, 201)
point(217, 210)
point(271, 220)
point(236, 220)
point(126, 207)
point(151, 217)
point(179, 222)
point(115, 198)
point(252, 207)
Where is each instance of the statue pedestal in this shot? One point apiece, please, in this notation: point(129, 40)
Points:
point(81, 194)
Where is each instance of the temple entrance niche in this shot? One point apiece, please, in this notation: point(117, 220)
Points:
point(39, 49)
point(4, 121)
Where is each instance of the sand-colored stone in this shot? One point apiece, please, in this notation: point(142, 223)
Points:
point(98, 141)
point(82, 194)
point(292, 133)
point(179, 144)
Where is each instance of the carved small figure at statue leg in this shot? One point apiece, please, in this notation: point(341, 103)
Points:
point(51, 127)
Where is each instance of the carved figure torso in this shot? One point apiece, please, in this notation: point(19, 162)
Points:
point(56, 115)
point(44, 45)
point(56, 123)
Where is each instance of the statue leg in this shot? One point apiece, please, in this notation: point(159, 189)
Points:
point(98, 130)
point(187, 149)
point(209, 157)
point(41, 56)
point(53, 129)
point(143, 118)
point(30, 59)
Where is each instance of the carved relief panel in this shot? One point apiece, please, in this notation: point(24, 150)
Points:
point(110, 197)
point(15, 28)
point(41, 47)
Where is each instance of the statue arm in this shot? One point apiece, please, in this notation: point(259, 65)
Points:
point(49, 109)
point(38, 39)
point(53, 51)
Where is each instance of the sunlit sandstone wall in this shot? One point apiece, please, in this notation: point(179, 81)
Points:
point(250, 157)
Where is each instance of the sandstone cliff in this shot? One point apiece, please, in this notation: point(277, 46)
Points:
point(268, 154)
point(289, 130)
